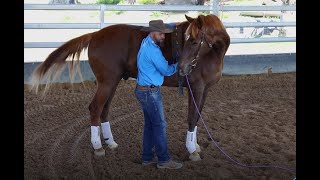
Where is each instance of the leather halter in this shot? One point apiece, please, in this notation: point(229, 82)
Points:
point(176, 43)
point(194, 62)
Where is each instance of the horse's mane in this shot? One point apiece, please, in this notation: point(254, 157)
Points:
point(206, 24)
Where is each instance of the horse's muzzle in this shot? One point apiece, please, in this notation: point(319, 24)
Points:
point(185, 70)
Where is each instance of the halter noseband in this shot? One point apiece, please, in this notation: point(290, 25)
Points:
point(194, 62)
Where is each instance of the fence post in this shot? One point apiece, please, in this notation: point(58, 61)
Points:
point(215, 7)
point(102, 8)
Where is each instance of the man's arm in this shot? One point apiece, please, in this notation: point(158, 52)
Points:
point(162, 64)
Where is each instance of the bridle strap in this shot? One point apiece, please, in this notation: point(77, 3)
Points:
point(194, 62)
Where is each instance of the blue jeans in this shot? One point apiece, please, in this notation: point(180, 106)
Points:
point(154, 134)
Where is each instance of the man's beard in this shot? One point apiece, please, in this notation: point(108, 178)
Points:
point(161, 44)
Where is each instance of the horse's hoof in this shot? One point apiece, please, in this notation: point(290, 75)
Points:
point(194, 156)
point(113, 146)
point(99, 152)
point(198, 148)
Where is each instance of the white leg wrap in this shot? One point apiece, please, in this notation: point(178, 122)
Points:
point(107, 135)
point(95, 137)
point(190, 142)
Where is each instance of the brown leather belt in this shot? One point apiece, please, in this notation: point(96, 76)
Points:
point(146, 87)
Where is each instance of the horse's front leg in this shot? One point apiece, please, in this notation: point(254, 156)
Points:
point(193, 116)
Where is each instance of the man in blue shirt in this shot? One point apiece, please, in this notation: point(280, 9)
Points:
point(152, 67)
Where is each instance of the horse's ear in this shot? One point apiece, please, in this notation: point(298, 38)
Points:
point(200, 21)
point(189, 18)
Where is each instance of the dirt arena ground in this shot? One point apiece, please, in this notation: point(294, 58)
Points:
point(252, 118)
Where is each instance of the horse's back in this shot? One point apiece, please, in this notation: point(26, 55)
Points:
point(116, 39)
point(115, 48)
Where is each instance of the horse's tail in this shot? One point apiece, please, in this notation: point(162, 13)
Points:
point(54, 64)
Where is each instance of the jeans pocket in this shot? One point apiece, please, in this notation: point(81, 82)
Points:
point(141, 96)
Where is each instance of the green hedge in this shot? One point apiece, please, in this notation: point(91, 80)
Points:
point(147, 1)
point(108, 1)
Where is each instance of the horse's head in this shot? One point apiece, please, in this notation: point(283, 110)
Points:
point(203, 37)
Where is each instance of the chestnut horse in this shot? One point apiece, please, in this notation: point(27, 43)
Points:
point(201, 43)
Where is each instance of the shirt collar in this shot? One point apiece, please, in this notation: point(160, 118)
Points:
point(150, 41)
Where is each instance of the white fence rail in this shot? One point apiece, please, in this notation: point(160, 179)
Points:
point(97, 25)
point(214, 8)
point(155, 7)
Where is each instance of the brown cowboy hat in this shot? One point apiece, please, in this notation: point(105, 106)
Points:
point(158, 26)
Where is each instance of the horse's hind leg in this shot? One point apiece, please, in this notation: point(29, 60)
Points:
point(105, 125)
point(104, 91)
point(95, 109)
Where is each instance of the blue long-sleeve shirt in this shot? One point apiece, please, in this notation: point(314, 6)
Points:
point(152, 65)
